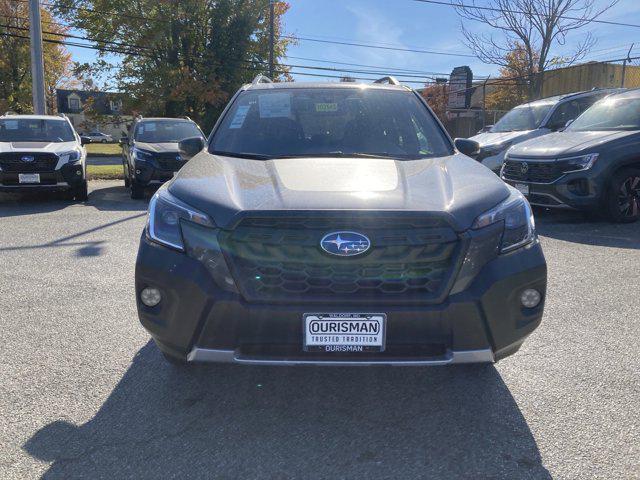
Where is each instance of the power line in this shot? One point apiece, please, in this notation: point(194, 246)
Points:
point(520, 12)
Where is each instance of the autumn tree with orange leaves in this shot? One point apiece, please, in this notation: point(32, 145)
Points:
point(15, 59)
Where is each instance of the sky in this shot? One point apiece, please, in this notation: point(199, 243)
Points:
point(410, 24)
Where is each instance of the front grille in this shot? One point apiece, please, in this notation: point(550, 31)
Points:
point(42, 162)
point(168, 161)
point(410, 259)
point(537, 172)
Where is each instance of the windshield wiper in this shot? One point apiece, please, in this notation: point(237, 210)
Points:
point(253, 156)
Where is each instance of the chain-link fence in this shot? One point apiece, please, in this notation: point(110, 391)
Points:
point(492, 98)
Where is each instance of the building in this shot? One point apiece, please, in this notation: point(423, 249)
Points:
point(90, 110)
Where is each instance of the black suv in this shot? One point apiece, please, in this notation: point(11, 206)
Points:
point(336, 224)
point(592, 165)
point(150, 153)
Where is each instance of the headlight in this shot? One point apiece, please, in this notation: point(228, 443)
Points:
point(165, 214)
point(517, 218)
point(142, 155)
point(70, 157)
point(575, 164)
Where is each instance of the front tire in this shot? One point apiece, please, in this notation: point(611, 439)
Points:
point(81, 193)
point(623, 196)
point(137, 191)
point(104, 140)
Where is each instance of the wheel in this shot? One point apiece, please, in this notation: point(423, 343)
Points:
point(127, 181)
point(137, 191)
point(81, 193)
point(623, 197)
point(104, 140)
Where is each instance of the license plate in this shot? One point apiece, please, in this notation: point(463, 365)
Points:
point(344, 332)
point(523, 188)
point(29, 177)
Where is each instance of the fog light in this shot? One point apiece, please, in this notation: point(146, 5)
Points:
point(150, 296)
point(78, 172)
point(138, 172)
point(530, 298)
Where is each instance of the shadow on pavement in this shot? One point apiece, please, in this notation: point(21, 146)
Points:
point(281, 423)
point(588, 229)
point(115, 198)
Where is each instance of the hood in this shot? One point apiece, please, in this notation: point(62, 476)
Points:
point(490, 138)
point(157, 147)
point(225, 188)
point(50, 147)
point(565, 143)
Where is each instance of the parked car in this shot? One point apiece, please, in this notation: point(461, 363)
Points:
point(593, 164)
point(42, 152)
point(334, 224)
point(150, 153)
point(99, 137)
point(532, 120)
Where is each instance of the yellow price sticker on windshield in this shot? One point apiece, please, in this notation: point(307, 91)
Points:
point(326, 107)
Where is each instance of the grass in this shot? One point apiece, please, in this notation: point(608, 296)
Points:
point(104, 149)
point(105, 172)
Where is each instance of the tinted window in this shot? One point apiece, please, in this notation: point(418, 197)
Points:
point(330, 121)
point(35, 130)
point(525, 117)
point(566, 111)
point(165, 131)
point(609, 114)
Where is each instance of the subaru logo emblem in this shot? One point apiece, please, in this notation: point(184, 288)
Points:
point(345, 244)
point(178, 157)
point(28, 158)
point(524, 168)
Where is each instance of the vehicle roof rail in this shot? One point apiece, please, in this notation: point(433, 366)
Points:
point(187, 118)
point(390, 80)
point(261, 79)
point(9, 112)
point(138, 118)
point(62, 115)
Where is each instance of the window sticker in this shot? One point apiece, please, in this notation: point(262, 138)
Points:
point(326, 107)
point(274, 105)
point(11, 124)
point(238, 118)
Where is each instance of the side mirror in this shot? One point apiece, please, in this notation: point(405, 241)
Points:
point(471, 148)
point(84, 140)
point(190, 147)
point(123, 140)
point(566, 125)
point(486, 128)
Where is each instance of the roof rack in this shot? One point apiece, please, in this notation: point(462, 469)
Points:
point(62, 115)
point(9, 112)
point(187, 118)
point(389, 80)
point(261, 79)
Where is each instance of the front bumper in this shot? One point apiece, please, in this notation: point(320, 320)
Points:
point(199, 321)
point(148, 173)
point(66, 177)
point(573, 191)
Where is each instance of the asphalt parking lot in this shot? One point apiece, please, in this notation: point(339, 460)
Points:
point(84, 394)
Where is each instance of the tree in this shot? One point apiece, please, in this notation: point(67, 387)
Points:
point(511, 88)
point(436, 96)
point(180, 57)
point(15, 59)
point(537, 25)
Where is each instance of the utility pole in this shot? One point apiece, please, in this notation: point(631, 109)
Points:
point(624, 65)
point(271, 38)
point(37, 61)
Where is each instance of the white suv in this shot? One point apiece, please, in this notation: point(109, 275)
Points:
point(42, 152)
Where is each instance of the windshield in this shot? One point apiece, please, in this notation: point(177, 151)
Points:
point(35, 130)
point(165, 131)
point(329, 122)
point(609, 114)
point(526, 117)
